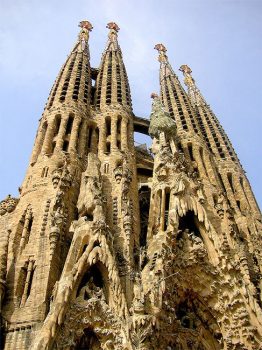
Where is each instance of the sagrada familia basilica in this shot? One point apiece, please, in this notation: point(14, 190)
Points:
point(116, 246)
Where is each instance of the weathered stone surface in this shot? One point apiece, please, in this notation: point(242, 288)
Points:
point(112, 246)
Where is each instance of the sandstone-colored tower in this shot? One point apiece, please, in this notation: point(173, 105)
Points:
point(112, 246)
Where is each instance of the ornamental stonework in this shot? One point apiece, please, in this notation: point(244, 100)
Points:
point(113, 245)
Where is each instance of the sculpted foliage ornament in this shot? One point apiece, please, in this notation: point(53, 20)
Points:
point(119, 249)
point(160, 121)
point(8, 205)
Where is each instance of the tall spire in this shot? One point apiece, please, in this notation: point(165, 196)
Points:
point(64, 122)
point(212, 131)
point(112, 85)
point(173, 95)
point(73, 83)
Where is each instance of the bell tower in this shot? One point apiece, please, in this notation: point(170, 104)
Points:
point(37, 228)
point(115, 246)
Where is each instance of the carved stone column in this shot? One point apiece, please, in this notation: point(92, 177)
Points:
point(230, 193)
point(61, 133)
point(48, 137)
point(74, 134)
point(251, 197)
point(124, 133)
point(102, 138)
point(199, 160)
point(27, 281)
point(82, 139)
point(38, 144)
point(114, 132)
point(25, 232)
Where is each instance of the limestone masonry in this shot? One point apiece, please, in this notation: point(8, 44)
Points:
point(116, 246)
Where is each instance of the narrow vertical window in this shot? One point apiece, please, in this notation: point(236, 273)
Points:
point(53, 147)
point(190, 151)
point(65, 146)
point(57, 124)
point(44, 172)
point(89, 138)
point(108, 126)
point(167, 205)
point(106, 168)
point(78, 136)
point(230, 180)
point(69, 124)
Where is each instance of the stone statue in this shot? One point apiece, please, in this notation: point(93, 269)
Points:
point(91, 187)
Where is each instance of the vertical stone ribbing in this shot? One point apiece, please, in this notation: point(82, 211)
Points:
point(213, 133)
point(110, 247)
point(173, 95)
point(112, 85)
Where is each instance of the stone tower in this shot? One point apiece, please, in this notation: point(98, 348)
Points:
point(112, 246)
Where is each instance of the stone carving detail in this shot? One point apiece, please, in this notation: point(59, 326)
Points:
point(160, 253)
point(56, 176)
point(112, 36)
point(90, 200)
point(160, 121)
point(8, 205)
point(115, 211)
point(84, 34)
point(118, 173)
point(62, 180)
point(45, 217)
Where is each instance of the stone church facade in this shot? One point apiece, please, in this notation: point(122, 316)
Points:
point(114, 246)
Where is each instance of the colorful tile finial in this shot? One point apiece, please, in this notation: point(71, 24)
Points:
point(113, 25)
point(86, 25)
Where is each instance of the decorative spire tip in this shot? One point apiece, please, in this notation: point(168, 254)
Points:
point(154, 95)
point(162, 52)
point(160, 48)
point(185, 69)
point(112, 25)
point(86, 25)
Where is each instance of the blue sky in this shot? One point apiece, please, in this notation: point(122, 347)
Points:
point(219, 39)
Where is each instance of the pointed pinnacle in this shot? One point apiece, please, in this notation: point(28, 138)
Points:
point(86, 25)
point(83, 36)
point(160, 48)
point(162, 52)
point(112, 25)
point(185, 69)
point(112, 43)
point(154, 95)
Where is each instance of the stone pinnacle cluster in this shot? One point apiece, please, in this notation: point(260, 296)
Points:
point(116, 246)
